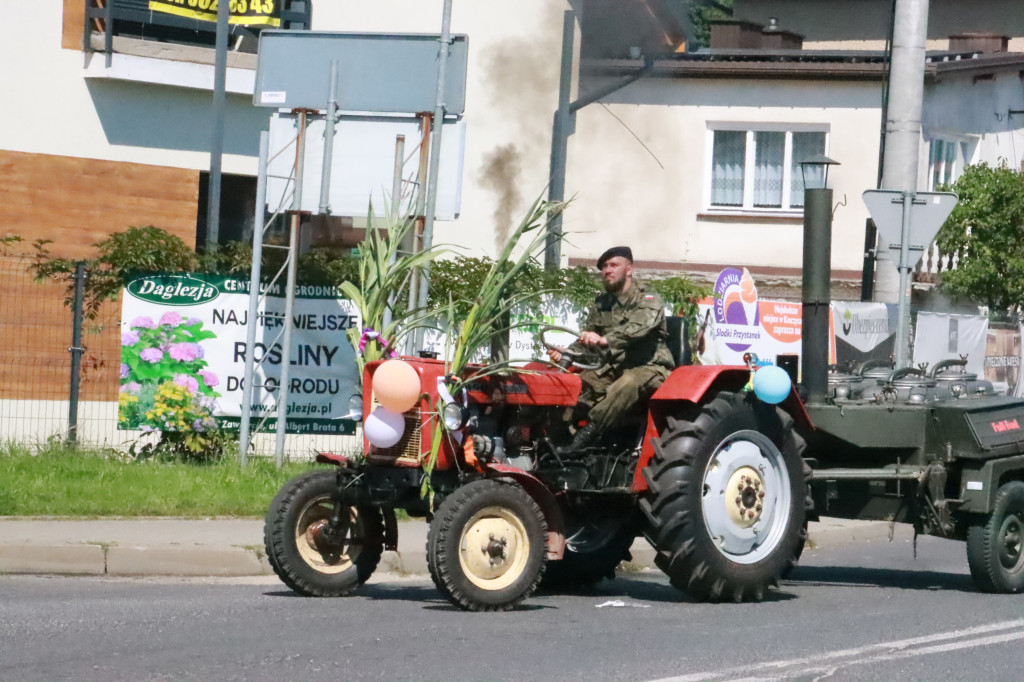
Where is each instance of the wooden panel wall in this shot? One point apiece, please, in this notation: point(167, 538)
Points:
point(78, 202)
point(71, 29)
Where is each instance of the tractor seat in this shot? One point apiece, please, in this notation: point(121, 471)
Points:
point(678, 340)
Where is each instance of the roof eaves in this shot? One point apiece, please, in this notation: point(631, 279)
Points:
point(982, 63)
point(801, 64)
point(809, 70)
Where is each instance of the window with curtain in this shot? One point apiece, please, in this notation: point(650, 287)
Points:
point(805, 146)
point(760, 169)
point(944, 162)
point(727, 171)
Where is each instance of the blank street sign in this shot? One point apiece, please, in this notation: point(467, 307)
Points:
point(377, 72)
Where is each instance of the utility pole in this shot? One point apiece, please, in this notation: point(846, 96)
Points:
point(903, 124)
point(561, 130)
point(435, 147)
point(220, 67)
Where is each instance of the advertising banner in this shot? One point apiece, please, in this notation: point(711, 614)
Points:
point(1002, 360)
point(945, 336)
point(736, 321)
point(183, 346)
point(863, 331)
point(243, 12)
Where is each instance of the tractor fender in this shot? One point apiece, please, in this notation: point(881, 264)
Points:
point(692, 384)
point(333, 458)
point(544, 498)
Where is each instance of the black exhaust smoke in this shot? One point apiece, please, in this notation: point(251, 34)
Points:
point(817, 275)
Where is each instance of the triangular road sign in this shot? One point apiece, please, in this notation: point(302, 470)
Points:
point(928, 212)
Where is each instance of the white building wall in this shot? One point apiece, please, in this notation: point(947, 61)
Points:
point(625, 195)
point(978, 112)
point(49, 107)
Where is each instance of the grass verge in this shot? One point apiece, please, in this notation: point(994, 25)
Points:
point(57, 481)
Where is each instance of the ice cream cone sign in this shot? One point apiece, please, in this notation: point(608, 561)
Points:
point(748, 296)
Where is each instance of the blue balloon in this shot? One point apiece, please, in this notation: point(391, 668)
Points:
point(772, 384)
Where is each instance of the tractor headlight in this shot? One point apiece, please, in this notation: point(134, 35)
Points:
point(455, 416)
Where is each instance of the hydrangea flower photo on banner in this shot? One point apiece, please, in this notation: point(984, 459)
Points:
point(165, 382)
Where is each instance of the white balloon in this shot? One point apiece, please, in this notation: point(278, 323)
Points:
point(383, 428)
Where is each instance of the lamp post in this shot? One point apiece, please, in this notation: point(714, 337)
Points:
point(817, 273)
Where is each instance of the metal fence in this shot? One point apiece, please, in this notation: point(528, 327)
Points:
point(38, 402)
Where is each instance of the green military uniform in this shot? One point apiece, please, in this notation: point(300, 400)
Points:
point(638, 358)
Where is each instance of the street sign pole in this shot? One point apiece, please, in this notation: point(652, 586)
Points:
point(903, 306)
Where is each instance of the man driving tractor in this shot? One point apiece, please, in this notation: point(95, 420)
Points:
point(627, 325)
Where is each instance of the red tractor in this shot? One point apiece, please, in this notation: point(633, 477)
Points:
point(709, 473)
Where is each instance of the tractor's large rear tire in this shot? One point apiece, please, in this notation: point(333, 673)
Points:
point(487, 546)
point(995, 547)
point(727, 499)
point(596, 542)
point(309, 555)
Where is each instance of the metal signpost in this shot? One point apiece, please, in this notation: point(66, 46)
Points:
point(255, 277)
point(907, 223)
point(353, 72)
point(440, 110)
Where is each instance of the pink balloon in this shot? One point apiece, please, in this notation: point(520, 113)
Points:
point(383, 428)
point(396, 385)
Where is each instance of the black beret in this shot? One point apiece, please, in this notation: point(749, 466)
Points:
point(623, 251)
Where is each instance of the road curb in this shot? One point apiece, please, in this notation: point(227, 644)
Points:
point(134, 561)
point(234, 547)
point(53, 559)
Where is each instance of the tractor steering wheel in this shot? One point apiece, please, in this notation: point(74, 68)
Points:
point(589, 358)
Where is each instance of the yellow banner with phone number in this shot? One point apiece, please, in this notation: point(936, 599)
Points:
point(243, 12)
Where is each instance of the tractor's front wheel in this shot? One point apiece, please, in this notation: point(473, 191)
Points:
point(316, 547)
point(486, 548)
point(995, 548)
point(727, 499)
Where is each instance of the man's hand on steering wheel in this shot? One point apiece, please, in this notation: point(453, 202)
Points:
point(592, 339)
point(573, 358)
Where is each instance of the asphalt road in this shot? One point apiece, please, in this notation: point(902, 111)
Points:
point(867, 610)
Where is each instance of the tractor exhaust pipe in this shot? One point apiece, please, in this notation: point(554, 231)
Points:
point(817, 274)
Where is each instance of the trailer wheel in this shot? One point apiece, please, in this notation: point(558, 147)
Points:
point(307, 554)
point(727, 498)
point(486, 548)
point(995, 551)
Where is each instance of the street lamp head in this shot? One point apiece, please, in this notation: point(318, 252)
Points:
point(814, 171)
